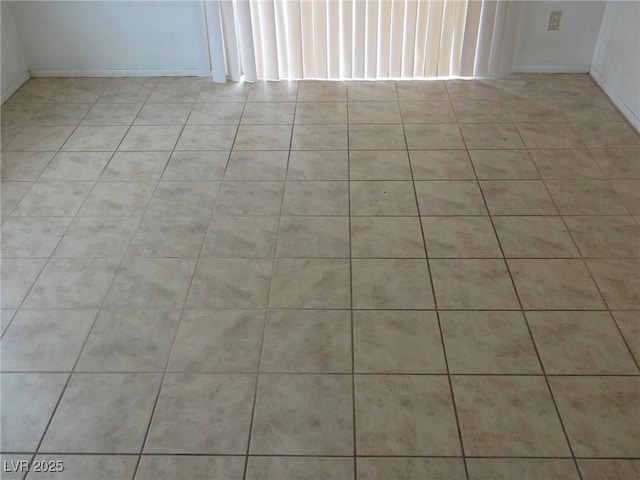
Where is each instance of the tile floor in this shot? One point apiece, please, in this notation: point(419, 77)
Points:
point(320, 280)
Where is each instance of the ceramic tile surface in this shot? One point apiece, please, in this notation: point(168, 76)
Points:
point(362, 280)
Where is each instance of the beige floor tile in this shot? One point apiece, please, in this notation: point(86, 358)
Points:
point(550, 135)
point(460, 237)
point(163, 114)
point(324, 165)
point(151, 283)
point(318, 91)
point(434, 111)
point(53, 199)
point(45, 340)
point(517, 197)
point(135, 166)
point(262, 137)
point(316, 198)
point(534, 237)
point(129, 341)
point(373, 468)
point(175, 237)
point(286, 91)
point(268, 113)
point(557, 284)
point(112, 114)
point(441, 165)
point(609, 134)
point(194, 199)
point(618, 162)
point(379, 165)
point(386, 237)
point(28, 401)
point(12, 193)
point(410, 289)
point(473, 347)
point(307, 341)
point(450, 198)
point(572, 343)
point(18, 275)
point(629, 323)
point(93, 237)
point(90, 417)
point(503, 165)
point(529, 468)
point(106, 138)
point(382, 198)
point(397, 342)
point(605, 236)
point(24, 166)
point(217, 137)
point(434, 136)
point(321, 113)
point(585, 197)
point(377, 91)
point(508, 416)
point(374, 112)
point(249, 198)
point(303, 415)
point(618, 280)
point(477, 90)
point(76, 166)
point(41, 139)
point(118, 199)
point(179, 90)
point(313, 237)
point(566, 163)
point(188, 401)
point(217, 341)
point(204, 166)
point(257, 165)
point(310, 283)
point(473, 284)
point(215, 114)
point(405, 415)
point(97, 467)
point(301, 468)
point(230, 283)
point(491, 136)
point(30, 237)
point(166, 467)
point(600, 414)
point(593, 469)
point(412, 91)
point(376, 137)
point(629, 192)
point(118, 92)
point(72, 283)
point(55, 113)
point(223, 92)
point(241, 237)
point(319, 137)
point(471, 111)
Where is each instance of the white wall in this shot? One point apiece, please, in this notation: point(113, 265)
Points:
point(616, 61)
point(569, 49)
point(107, 38)
point(14, 66)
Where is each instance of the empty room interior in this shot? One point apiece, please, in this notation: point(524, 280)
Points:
point(320, 240)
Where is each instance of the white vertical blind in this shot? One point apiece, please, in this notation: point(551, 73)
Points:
point(289, 39)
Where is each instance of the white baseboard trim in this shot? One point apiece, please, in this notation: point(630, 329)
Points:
point(115, 73)
point(11, 89)
point(551, 68)
point(617, 101)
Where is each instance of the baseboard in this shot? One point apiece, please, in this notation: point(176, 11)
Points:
point(14, 86)
point(551, 69)
point(617, 101)
point(115, 73)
